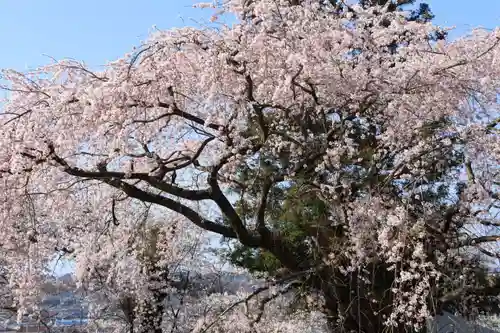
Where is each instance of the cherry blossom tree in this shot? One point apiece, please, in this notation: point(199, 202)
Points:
point(130, 283)
point(354, 146)
point(6, 297)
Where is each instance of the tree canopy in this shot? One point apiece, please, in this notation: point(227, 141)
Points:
point(347, 152)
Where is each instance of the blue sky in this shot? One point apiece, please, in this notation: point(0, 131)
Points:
point(97, 31)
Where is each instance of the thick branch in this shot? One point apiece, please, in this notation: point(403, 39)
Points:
point(482, 239)
point(153, 181)
point(114, 179)
point(175, 206)
point(271, 241)
point(493, 124)
point(161, 185)
point(227, 209)
point(489, 223)
point(489, 253)
point(261, 226)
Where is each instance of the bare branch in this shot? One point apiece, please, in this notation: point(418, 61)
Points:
point(255, 293)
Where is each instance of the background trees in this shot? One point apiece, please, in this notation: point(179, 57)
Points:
point(350, 152)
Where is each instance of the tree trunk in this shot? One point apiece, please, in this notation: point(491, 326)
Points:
point(349, 309)
point(151, 316)
point(348, 305)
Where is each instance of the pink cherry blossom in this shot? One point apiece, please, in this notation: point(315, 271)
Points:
point(143, 155)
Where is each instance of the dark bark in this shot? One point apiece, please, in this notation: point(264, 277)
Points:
point(349, 298)
point(151, 317)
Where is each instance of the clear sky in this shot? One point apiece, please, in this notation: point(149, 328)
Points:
point(97, 31)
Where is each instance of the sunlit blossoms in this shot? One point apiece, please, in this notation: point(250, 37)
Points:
point(386, 138)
